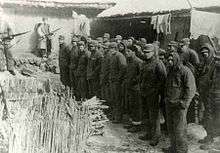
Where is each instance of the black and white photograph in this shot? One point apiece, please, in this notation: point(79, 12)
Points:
point(109, 76)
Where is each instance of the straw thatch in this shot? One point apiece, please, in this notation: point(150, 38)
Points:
point(100, 4)
point(136, 7)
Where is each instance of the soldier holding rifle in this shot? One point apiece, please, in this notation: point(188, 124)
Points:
point(44, 33)
point(6, 59)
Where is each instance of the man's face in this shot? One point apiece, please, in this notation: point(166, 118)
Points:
point(148, 54)
point(128, 53)
point(81, 48)
point(130, 42)
point(74, 43)
point(118, 41)
point(121, 47)
point(45, 21)
point(105, 39)
point(183, 48)
point(161, 57)
point(61, 41)
point(170, 61)
point(92, 48)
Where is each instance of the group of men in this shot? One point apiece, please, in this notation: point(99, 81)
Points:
point(141, 81)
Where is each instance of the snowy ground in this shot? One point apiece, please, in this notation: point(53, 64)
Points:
point(116, 139)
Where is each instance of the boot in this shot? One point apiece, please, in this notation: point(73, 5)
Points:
point(135, 129)
point(145, 137)
point(154, 141)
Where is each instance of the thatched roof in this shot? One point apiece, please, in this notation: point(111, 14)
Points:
point(136, 7)
point(100, 4)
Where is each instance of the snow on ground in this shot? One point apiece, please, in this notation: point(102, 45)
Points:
point(116, 139)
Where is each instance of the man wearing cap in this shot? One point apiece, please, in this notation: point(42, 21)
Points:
point(6, 58)
point(180, 89)
point(172, 47)
point(190, 59)
point(93, 69)
point(133, 89)
point(74, 58)
point(104, 74)
point(162, 55)
point(106, 38)
point(117, 73)
point(64, 61)
point(118, 39)
point(44, 43)
point(135, 48)
point(152, 81)
point(143, 42)
point(205, 86)
point(188, 56)
point(81, 72)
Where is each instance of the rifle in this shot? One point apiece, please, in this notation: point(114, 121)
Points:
point(10, 37)
point(50, 34)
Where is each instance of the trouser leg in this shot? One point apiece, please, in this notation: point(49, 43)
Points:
point(170, 126)
point(9, 59)
point(180, 125)
point(154, 117)
point(134, 102)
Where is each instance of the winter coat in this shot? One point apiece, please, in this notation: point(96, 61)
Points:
point(82, 64)
point(180, 84)
point(152, 77)
point(133, 72)
point(118, 66)
point(94, 65)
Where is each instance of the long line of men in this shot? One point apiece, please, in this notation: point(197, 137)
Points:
point(140, 82)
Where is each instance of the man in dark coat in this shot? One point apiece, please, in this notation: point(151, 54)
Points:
point(74, 58)
point(180, 89)
point(81, 72)
point(152, 80)
point(133, 89)
point(117, 73)
point(64, 61)
point(188, 56)
point(205, 86)
point(93, 69)
point(104, 75)
point(134, 47)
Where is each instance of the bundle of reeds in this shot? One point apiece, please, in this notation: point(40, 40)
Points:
point(97, 117)
point(43, 120)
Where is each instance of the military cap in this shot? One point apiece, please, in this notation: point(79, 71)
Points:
point(118, 37)
point(81, 43)
point(148, 48)
point(161, 52)
point(157, 43)
point(61, 37)
point(99, 39)
point(93, 43)
point(143, 40)
point(113, 45)
point(173, 43)
point(185, 41)
point(132, 38)
point(106, 35)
